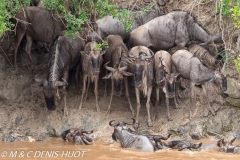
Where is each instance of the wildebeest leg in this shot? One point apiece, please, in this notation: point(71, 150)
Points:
point(96, 92)
point(156, 103)
point(168, 114)
point(110, 103)
point(65, 110)
point(148, 106)
point(138, 108)
point(86, 93)
point(65, 77)
point(77, 74)
point(28, 48)
point(175, 102)
point(105, 90)
point(191, 99)
point(19, 37)
point(209, 106)
point(83, 90)
point(128, 95)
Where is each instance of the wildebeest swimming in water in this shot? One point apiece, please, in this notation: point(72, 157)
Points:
point(77, 136)
point(226, 146)
point(176, 28)
point(130, 139)
point(183, 144)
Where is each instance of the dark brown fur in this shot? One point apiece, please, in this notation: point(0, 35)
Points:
point(91, 60)
point(39, 25)
point(165, 78)
point(143, 76)
point(116, 55)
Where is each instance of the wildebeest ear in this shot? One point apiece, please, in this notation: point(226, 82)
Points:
point(109, 75)
point(127, 73)
point(102, 52)
point(60, 83)
point(219, 143)
point(82, 52)
point(176, 75)
point(233, 140)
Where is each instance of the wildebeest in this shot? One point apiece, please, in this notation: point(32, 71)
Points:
point(182, 144)
point(38, 3)
point(226, 146)
point(164, 78)
point(156, 141)
point(111, 25)
point(91, 60)
point(141, 63)
point(77, 136)
point(129, 139)
point(116, 55)
point(64, 56)
point(38, 24)
point(176, 28)
point(193, 69)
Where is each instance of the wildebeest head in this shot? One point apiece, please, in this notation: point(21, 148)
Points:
point(77, 136)
point(160, 72)
point(116, 75)
point(49, 90)
point(170, 80)
point(139, 65)
point(93, 57)
point(223, 144)
point(119, 127)
point(220, 80)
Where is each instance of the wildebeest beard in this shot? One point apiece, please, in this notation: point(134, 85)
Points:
point(170, 87)
point(118, 88)
point(95, 63)
point(138, 76)
point(224, 83)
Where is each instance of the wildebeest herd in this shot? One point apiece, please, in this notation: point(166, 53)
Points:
point(146, 59)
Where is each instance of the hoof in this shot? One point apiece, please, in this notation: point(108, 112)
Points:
point(108, 111)
point(170, 119)
point(80, 107)
point(136, 126)
point(98, 109)
point(150, 125)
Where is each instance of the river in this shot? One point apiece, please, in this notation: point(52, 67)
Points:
point(56, 148)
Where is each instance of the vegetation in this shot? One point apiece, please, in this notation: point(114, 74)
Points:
point(232, 8)
point(74, 12)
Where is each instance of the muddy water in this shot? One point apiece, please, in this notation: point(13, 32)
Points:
point(56, 148)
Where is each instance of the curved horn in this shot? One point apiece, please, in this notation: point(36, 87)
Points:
point(123, 68)
point(87, 132)
point(85, 140)
point(38, 79)
point(130, 123)
point(159, 3)
point(145, 57)
point(151, 52)
point(109, 68)
point(131, 56)
point(114, 124)
point(59, 83)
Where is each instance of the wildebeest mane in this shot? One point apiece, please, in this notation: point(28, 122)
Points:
point(55, 64)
